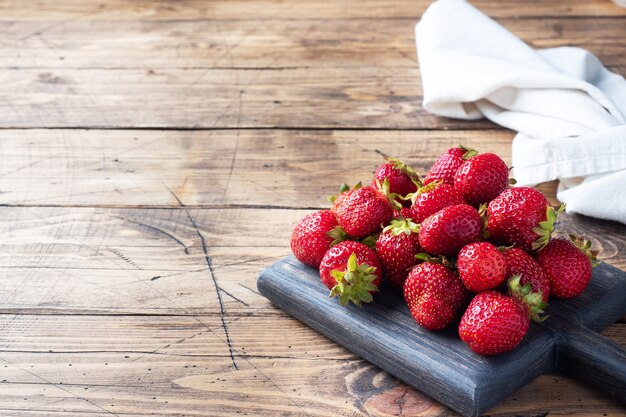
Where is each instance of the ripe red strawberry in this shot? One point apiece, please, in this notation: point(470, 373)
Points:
point(403, 180)
point(396, 247)
point(431, 198)
point(451, 228)
point(448, 162)
point(314, 235)
point(481, 178)
point(481, 266)
point(568, 265)
point(434, 295)
point(351, 271)
point(495, 323)
point(521, 216)
point(520, 263)
point(362, 211)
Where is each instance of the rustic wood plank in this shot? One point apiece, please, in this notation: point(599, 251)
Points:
point(155, 10)
point(139, 261)
point(378, 98)
point(146, 261)
point(164, 365)
point(213, 98)
point(279, 168)
point(211, 169)
point(215, 42)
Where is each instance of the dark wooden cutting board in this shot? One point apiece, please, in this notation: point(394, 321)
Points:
point(439, 363)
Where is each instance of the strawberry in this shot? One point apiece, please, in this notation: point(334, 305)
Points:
point(520, 263)
point(434, 295)
point(568, 265)
point(431, 198)
point(481, 266)
point(448, 162)
point(451, 228)
point(521, 216)
point(481, 178)
point(495, 323)
point(314, 235)
point(403, 180)
point(397, 246)
point(351, 271)
point(362, 211)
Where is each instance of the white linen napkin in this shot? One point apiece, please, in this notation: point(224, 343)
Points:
point(568, 109)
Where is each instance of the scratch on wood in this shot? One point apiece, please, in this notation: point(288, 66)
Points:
point(184, 339)
point(124, 258)
point(234, 298)
point(250, 289)
point(59, 386)
point(156, 229)
point(20, 168)
point(207, 258)
point(232, 168)
point(401, 401)
point(247, 261)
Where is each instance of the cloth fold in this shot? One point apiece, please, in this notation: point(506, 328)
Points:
point(568, 109)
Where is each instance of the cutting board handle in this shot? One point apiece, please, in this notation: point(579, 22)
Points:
point(595, 359)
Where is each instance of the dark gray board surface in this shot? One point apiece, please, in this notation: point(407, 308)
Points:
point(439, 364)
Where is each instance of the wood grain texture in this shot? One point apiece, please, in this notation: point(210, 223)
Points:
point(156, 10)
point(216, 42)
point(125, 261)
point(217, 98)
point(147, 364)
point(115, 300)
point(379, 98)
point(281, 168)
point(219, 168)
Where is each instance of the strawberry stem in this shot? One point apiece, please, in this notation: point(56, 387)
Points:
point(546, 227)
point(533, 301)
point(585, 247)
point(338, 235)
point(469, 152)
point(404, 168)
point(402, 225)
point(391, 197)
point(354, 283)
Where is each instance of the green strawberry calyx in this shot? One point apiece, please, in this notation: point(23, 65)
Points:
point(546, 227)
point(423, 189)
point(585, 247)
point(447, 262)
point(405, 169)
point(337, 234)
point(469, 152)
point(504, 248)
point(383, 188)
point(532, 300)
point(354, 283)
point(344, 188)
point(370, 241)
point(402, 225)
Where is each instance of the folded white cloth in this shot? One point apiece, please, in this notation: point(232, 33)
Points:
point(568, 109)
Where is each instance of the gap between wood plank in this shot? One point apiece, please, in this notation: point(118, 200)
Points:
point(286, 128)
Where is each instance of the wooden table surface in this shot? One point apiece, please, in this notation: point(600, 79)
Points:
point(155, 156)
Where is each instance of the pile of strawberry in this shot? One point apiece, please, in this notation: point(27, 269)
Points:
point(460, 242)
